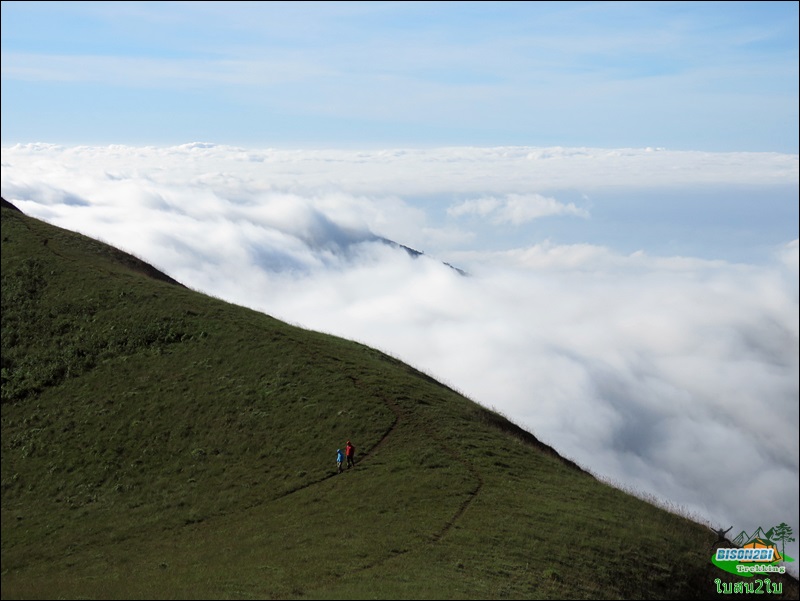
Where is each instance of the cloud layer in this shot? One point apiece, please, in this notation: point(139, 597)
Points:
point(675, 376)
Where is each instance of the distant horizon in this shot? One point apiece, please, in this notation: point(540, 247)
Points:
point(370, 146)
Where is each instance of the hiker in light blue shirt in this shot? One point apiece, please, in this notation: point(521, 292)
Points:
point(339, 460)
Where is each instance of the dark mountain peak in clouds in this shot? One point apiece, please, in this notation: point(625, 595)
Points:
point(415, 254)
point(290, 234)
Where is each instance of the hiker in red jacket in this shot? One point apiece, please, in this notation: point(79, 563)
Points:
point(350, 453)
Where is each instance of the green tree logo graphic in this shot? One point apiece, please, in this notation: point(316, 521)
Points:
point(782, 533)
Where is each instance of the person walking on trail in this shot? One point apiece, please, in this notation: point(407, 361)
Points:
point(350, 453)
point(339, 460)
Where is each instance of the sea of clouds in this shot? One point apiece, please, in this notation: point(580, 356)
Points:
point(672, 374)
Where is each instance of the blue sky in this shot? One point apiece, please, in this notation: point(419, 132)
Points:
point(718, 76)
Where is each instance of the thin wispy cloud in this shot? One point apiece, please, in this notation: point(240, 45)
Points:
point(515, 208)
point(130, 72)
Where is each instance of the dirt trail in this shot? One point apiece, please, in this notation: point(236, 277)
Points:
point(453, 453)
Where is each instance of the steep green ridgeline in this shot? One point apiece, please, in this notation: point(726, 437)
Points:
point(159, 443)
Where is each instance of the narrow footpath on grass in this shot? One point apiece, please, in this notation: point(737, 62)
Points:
point(449, 451)
point(370, 453)
point(365, 455)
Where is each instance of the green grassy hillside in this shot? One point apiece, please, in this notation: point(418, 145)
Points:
point(160, 443)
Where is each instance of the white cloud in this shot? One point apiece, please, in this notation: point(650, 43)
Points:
point(589, 258)
point(675, 376)
point(515, 209)
point(789, 256)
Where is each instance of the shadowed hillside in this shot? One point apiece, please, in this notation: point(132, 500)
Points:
point(160, 443)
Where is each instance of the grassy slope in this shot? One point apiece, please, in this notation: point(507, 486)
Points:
point(159, 443)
